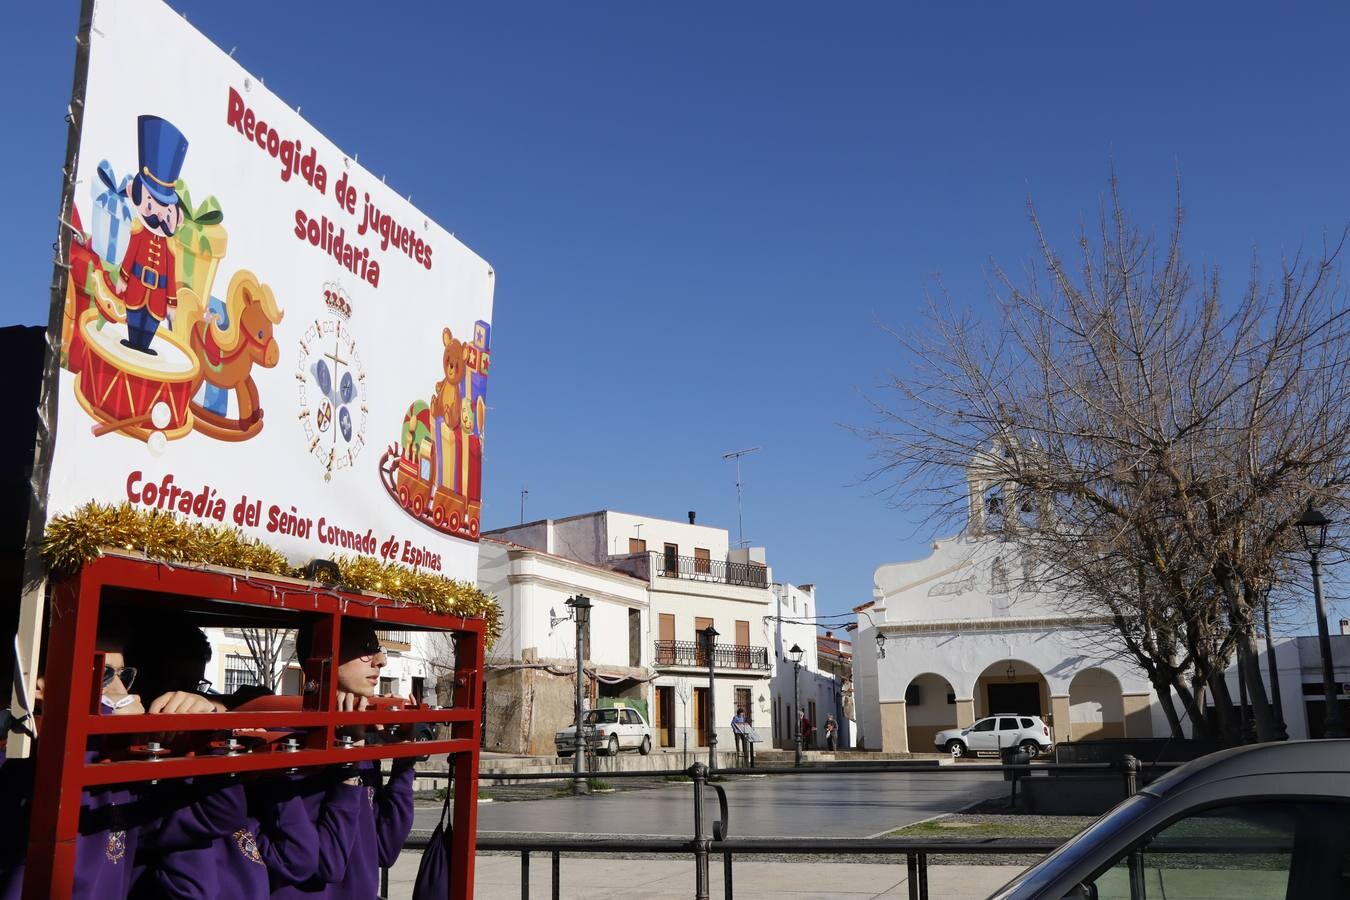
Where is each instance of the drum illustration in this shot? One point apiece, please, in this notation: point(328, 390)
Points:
point(131, 392)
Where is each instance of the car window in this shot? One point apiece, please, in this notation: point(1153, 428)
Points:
point(602, 717)
point(1027, 723)
point(629, 717)
point(984, 725)
point(1007, 724)
point(1253, 850)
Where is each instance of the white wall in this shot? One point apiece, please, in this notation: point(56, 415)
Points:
point(866, 698)
point(528, 584)
point(659, 532)
point(725, 703)
point(964, 578)
point(723, 603)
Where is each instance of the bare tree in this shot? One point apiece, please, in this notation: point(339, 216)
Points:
point(1145, 438)
point(269, 650)
point(440, 650)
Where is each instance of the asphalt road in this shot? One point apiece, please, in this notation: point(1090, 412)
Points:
point(839, 805)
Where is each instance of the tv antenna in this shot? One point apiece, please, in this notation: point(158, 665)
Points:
point(740, 521)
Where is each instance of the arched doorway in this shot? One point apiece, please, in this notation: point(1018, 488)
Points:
point(930, 706)
point(1096, 709)
point(1011, 686)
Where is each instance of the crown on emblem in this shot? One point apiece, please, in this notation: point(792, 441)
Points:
point(336, 301)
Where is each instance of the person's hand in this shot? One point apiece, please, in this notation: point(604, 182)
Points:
point(177, 702)
point(349, 702)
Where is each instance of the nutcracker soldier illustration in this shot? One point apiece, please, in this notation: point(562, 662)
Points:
point(146, 282)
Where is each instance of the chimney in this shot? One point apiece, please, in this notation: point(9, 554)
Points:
point(691, 517)
point(1345, 626)
point(829, 634)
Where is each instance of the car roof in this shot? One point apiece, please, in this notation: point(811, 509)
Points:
point(1258, 759)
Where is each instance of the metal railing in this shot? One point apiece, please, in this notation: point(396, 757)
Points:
point(697, 568)
point(725, 656)
point(710, 841)
point(402, 639)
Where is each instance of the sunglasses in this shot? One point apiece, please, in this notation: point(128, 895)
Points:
point(125, 674)
point(368, 649)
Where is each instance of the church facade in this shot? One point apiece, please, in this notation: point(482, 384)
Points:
point(969, 632)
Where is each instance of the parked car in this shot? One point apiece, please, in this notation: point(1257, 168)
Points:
point(1268, 821)
point(608, 730)
point(996, 732)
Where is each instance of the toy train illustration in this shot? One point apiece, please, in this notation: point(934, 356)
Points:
point(435, 471)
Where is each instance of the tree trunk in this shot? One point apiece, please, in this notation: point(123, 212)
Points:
point(1256, 686)
point(1225, 715)
point(1193, 698)
point(1169, 708)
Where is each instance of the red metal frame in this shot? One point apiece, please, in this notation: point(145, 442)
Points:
point(69, 721)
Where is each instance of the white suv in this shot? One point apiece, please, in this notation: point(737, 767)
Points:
point(610, 730)
point(995, 733)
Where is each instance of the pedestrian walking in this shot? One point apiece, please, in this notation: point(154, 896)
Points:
point(831, 732)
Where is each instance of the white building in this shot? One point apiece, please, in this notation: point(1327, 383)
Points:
point(1299, 673)
point(532, 668)
point(808, 687)
point(969, 631)
point(691, 578)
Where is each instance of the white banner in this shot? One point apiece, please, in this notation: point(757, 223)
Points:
point(257, 331)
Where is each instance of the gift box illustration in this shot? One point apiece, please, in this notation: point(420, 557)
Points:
point(200, 242)
point(110, 225)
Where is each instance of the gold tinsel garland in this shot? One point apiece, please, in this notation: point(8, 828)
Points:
point(74, 538)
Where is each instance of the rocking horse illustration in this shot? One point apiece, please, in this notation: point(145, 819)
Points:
point(228, 354)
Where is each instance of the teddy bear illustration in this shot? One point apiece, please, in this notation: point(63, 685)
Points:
point(445, 399)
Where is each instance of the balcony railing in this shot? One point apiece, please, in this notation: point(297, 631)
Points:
point(698, 568)
point(725, 656)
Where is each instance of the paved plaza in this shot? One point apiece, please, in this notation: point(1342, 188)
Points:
point(831, 806)
point(498, 878)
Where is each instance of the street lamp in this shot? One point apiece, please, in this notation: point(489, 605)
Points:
point(1313, 526)
point(581, 612)
point(1265, 584)
point(796, 654)
point(881, 645)
point(709, 635)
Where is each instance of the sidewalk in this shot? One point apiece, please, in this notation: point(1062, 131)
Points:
point(498, 878)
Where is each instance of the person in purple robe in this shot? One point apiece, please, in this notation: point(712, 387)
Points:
point(362, 821)
point(216, 837)
point(106, 840)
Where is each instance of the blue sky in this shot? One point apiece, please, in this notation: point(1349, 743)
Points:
point(698, 213)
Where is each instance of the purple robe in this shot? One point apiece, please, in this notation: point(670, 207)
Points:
point(104, 847)
point(275, 842)
point(372, 822)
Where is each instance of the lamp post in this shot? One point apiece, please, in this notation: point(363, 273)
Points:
point(581, 612)
point(709, 635)
point(796, 654)
point(1313, 526)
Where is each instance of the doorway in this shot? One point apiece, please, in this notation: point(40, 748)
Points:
point(665, 716)
point(1023, 698)
point(701, 716)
